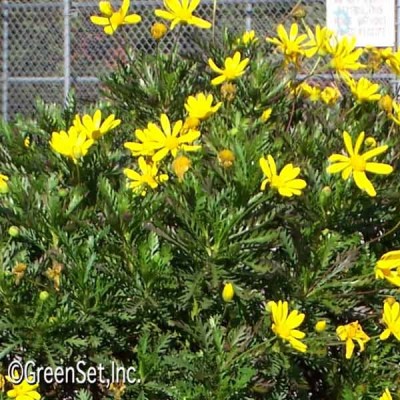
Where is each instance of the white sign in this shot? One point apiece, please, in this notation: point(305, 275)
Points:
point(372, 22)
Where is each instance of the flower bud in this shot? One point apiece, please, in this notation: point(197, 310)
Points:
point(180, 166)
point(265, 116)
point(226, 158)
point(390, 300)
point(228, 91)
point(298, 11)
point(320, 326)
point(324, 195)
point(63, 192)
point(386, 103)
point(370, 141)
point(13, 231)
point(158, 30)
point(228, 292)
point(43, 295)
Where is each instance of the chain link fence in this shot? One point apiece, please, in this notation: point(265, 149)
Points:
point(48, 47)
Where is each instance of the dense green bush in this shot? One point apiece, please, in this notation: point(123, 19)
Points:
point(93, 271)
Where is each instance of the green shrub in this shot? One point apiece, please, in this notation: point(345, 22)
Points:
point(178, 283)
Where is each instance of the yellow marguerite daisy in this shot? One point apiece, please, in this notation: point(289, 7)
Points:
point(73, 144)
point(330, 95)
point(345, 57)
point(318, 41)
point(200, 106)
point(388, 267)
point(111, 19)
point(386, 395)
point(93, 127)
point(394, 114)
point(350, 332)
point(391, 318)
point(158, 143)
point(364, 89)
point(149, 177)
point(233, 69)
point(181, 12)
point(247, 38)
point(26, 390)
point(290, 45)
point(284, 324)
point(313, 93)
point(286, 182)
point(357, 164)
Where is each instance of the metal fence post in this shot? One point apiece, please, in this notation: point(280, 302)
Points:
point(67, 48)
point(4, 100)
point(249, 12)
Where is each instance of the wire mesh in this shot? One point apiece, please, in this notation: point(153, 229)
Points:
point(35, 59)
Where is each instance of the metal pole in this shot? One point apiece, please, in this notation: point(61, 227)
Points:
point(4, 101)
point(249, 12)
point(67, 48)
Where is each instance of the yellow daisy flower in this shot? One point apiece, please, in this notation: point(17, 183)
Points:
point(318, 41)
point(93, 127)
point(26, 390)
point(149, 177)
point(345, 56)
point(330, 95)
point(350, 332)
point(388, 267)
point(111, 19)
point(391, 318)
point(284, 324)
point(247, 38)
point(364, 89)
point(73, 144)
point(181, 12)
point(357, 164)
point(290, 45)
point(233, 69)
point(158, 143)
point(200, 106)
point(386, 395)
point(286, 182)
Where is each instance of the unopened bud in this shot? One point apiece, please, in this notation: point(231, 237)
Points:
point(44, 295)
point(13, 231)
point(228, 292)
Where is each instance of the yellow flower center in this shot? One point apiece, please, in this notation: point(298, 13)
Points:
point(277, 181)
point(283, 331)
point(96, 134)
point(352, 330)
point(148, 179)
point(117, 19)
point(184, 15)
point(358, 163)
point(171, 143)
